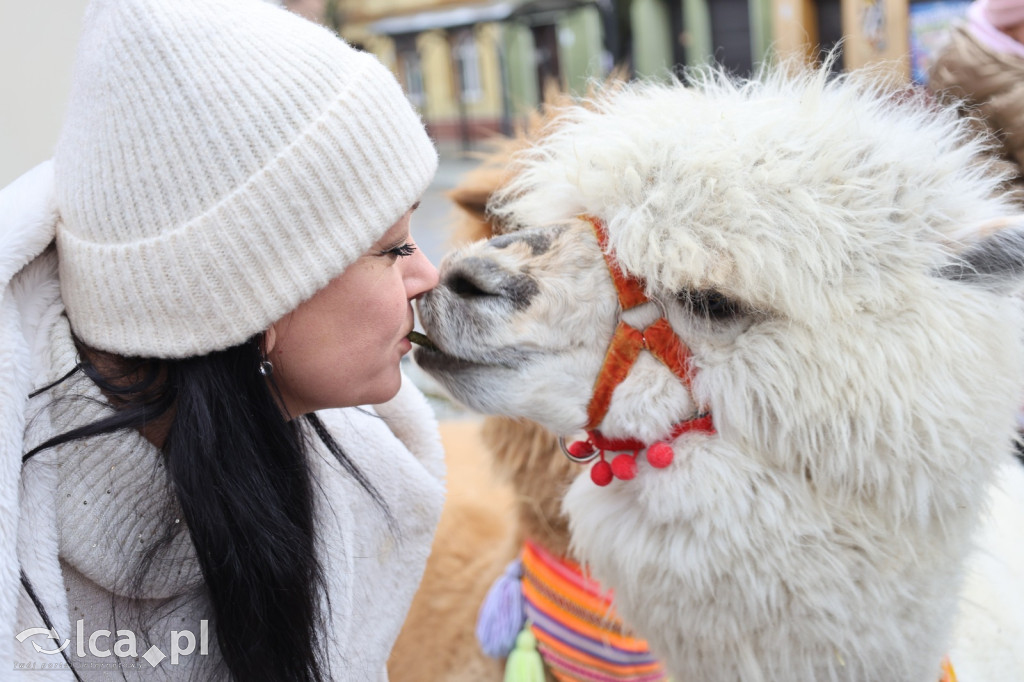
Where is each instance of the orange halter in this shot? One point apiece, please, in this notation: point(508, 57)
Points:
point(661, 341)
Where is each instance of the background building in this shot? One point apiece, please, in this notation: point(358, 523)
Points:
point(473, 68)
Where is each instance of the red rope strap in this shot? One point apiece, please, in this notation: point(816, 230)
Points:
point(622, 353)
point(629, 289)
point(627, 342)
point(661, 341)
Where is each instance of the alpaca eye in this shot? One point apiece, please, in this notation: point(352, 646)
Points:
point(709, 303)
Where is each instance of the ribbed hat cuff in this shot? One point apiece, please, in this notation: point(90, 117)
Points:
point(267, 246)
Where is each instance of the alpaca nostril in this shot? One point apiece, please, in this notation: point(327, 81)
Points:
point(479, 279)
point(464, 287)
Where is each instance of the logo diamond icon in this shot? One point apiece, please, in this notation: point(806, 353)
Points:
point(154, 656)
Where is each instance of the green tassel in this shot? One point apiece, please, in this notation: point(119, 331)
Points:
point(524, 663)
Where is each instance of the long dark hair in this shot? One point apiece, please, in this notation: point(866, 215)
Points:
point(241, 474)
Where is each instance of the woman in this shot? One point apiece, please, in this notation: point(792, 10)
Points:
point(220, 248)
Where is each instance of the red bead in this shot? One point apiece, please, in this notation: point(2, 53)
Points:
point(660, 455)
point(601, 473)
point(580, 448)
point(624, 467)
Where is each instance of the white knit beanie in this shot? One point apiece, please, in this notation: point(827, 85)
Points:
point(221, 161)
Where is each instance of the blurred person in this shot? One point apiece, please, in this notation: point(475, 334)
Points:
point(982, 65)
point(218, 255)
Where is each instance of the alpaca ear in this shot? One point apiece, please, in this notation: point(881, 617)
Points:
point(471, 196)
point(476, 187)
point(995, 261)
point(472, 200)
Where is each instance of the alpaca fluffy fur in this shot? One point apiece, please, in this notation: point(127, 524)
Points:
point(863, 380)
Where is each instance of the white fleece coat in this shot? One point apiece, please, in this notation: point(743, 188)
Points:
point(75, 517)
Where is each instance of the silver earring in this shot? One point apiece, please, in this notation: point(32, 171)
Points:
point(266, 369)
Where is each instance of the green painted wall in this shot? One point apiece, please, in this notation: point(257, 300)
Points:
point(520, 69)
point(652, 38)
point(760, 30)
point(579, 48)
point(697, 22)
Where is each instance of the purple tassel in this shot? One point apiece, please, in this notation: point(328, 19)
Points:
point(502, 614)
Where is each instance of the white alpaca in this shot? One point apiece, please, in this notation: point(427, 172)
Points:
point(823, 250)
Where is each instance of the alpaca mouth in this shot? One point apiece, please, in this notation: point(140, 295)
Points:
point(432, 359)
point(429, 356)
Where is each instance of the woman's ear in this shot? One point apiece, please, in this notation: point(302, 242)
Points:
point(269, 340)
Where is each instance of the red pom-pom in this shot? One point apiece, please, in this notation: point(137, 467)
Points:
point(580, 448)
point(601, 473)
point(660, 455)
point(624, 467)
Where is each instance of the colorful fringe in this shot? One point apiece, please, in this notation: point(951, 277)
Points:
point(576, 631)
point(578, 634)
point(947, 671)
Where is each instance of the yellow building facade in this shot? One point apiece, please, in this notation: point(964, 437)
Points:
point(446, 55)
point(876, 33)
point(474, 68)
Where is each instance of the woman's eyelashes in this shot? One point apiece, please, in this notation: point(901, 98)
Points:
point(400, 251)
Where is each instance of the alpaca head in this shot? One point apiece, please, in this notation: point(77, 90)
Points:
point(827, 254)
point(800, 236)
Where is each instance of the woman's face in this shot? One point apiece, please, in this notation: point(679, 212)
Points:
point(342, 347)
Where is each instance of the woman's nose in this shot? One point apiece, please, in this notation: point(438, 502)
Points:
point(425, 276)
